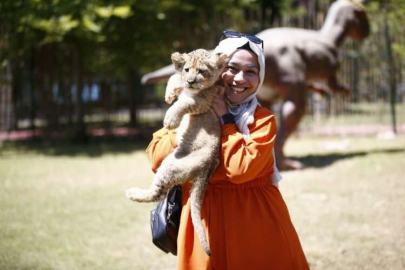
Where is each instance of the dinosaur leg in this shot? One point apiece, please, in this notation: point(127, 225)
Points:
point(292, 111)
point(336, 87)
point(319, 88)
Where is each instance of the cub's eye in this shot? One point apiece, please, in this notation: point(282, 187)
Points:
point(186, 69)
point(202, 71)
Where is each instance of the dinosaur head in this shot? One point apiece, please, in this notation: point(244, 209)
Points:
point(358, 24)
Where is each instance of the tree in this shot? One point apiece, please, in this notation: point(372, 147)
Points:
point(65, 44)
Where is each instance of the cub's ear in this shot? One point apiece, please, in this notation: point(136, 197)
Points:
point(220, 60)
point(178, 60)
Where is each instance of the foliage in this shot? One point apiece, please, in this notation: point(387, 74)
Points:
point(395, 15)
point(64, 45)
point(116, 34)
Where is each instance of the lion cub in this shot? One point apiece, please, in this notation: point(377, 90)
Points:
point(197, 155)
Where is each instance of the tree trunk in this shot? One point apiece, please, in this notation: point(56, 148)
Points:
point(135, 95)
point(391, 70)
point(16, 80)
point(31, 86)
point(80, 133)
point(6, 104)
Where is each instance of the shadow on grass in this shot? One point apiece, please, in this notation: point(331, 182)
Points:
point(95, 147)
point(320, 161)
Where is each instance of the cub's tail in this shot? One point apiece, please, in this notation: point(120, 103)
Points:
point(197, 196)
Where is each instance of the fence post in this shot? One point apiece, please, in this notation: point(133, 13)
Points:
point(6, 101)
point(391, 72)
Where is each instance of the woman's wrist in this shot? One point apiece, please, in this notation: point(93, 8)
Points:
point(220, 110)
point(227, 118)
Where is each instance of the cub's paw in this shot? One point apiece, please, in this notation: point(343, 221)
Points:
point(171, 122)
point(220, 89)
point(140, 195)
point(134, 194)
point(170, 98)
point(172, 94)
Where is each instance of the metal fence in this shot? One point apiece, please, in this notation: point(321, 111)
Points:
point(376, 103)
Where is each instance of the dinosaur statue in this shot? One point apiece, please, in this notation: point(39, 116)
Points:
point(295, 60)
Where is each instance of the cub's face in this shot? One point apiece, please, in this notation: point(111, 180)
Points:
point(199, 74)
point(199, 70)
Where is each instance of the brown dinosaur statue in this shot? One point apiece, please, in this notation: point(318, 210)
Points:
point(295, 60)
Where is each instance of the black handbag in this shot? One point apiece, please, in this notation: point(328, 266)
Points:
point(165, 221)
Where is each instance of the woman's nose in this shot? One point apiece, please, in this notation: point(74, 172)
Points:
point(239, 76)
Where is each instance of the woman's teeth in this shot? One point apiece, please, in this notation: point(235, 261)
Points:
point(237, 89)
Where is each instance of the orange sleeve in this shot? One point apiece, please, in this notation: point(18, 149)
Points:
point(247, 159)
point(162, 144)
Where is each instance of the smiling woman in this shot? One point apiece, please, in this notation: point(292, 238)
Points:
point(241, 76)
point(244, 215)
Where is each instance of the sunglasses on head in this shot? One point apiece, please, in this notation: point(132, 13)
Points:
point(233, 34)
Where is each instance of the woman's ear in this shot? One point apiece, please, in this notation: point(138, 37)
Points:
point(178, 60)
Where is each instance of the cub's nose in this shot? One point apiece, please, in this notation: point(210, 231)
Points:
point(191, 81)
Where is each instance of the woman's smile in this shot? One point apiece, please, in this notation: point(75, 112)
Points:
point(238, 90)
point(241, 76)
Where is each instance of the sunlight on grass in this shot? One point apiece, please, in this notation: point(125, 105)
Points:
point(348, 205)
point(63, 206)
point(356, 114)
point(70, 212)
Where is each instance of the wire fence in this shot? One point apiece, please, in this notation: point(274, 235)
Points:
point(376, 103)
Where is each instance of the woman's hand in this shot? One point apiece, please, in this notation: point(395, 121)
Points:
point(219, 105)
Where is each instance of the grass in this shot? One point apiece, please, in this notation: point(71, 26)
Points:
point(63, 206)
point(348, 206)
point(355, 114)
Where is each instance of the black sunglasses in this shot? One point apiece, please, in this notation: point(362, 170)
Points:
point(233, 34)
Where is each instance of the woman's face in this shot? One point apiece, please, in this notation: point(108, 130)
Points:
point(241, 76)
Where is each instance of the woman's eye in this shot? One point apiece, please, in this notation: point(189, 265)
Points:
point(231, 69)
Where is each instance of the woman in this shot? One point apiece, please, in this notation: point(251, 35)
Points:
point(246, 220)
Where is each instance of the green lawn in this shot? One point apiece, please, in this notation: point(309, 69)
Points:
point(64, 206)
point(356, 114)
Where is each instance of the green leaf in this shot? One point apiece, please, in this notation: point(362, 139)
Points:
point(91, 25)
point(399, 49)
point(60, 25)
point(122, 11)
point(105, 12)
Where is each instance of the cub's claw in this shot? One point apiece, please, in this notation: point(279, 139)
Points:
point(171, 122)
point(132, 193)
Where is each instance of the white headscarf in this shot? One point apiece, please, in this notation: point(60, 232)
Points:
point(245, 110)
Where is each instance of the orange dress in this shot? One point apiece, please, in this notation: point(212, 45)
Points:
point(246, 220)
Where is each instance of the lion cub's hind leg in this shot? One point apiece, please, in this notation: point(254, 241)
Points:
point(171, 172)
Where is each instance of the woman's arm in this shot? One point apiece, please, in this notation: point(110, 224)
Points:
point(162, 144)
point(247, 159)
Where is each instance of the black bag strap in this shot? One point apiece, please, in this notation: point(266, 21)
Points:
point(172, 195)
point(171, 200)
